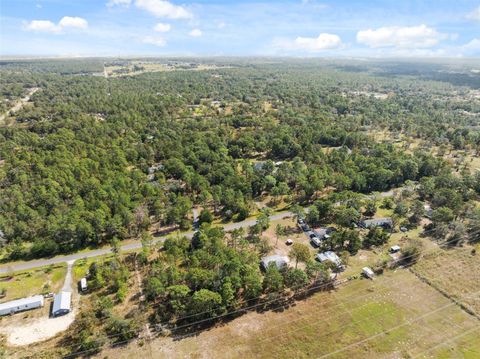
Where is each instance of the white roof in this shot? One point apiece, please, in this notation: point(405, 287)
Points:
point(395, 248)
point(22, 302)
point(367, 271)
point(83, 282)
point(62, 301)
point(329, 256)
point(279, 260)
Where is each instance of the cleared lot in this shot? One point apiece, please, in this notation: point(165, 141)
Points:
point(398, 314)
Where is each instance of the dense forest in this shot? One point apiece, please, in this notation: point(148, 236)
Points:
point(92, 159)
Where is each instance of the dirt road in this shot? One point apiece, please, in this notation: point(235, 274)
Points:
point(19, 104)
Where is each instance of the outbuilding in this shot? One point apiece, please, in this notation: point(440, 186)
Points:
point(19, 305)
point(280, 261)
point(62, 304)
point(368, 273)
point(394, 249)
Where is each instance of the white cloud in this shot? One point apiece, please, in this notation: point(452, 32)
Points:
point(195, 33)
point(473, 45)
point(420, 36)
point(162, 8)
point(50, 27)
point(75, 22)
point(157, 41)
point(111, 3)
point(161, 27)
point(474, 15)
point(42, 26)
point(321, 43)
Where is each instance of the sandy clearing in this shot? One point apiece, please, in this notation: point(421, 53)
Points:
point(38, 330)
point(43, 328)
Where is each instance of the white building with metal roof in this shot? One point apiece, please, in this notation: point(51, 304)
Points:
point(19, 305)
point(330, 257)
point(62, 303)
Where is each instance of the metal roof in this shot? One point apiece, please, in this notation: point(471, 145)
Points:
point(62, 301)
point(22, 302)
point(329, 256)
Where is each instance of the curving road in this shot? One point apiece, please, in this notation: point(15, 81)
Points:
point(136, 245)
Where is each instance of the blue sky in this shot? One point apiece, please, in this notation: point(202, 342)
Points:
point(387, 28)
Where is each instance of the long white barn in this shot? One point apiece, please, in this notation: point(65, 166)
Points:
point(19, 305)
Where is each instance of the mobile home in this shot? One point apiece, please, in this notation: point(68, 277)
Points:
point(20, 305)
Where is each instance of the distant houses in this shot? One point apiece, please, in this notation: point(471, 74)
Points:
point(280, 261)
point(62, 303)
point(385, 223)
point(21, 305)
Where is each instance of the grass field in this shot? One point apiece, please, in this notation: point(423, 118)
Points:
point(394, 316)
point(455, 272)
point(24, 284)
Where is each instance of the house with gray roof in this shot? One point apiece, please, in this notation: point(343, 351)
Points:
point(280, 261)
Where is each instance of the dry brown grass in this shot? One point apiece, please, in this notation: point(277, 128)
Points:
point(328, 322)
point(455, 271)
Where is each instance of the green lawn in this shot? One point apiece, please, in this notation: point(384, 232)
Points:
point(40, 280)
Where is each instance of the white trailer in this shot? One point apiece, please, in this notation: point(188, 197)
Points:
point(19, 305)
point(83, 284)
point(368, 273)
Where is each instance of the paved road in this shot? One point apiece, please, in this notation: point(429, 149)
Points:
point(136, 245)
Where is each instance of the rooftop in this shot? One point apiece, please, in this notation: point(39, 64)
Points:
point(21, 302)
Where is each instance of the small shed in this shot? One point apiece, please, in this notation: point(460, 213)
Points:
point(280, 261)
point(19, 305)
point(62, 303)
point(83, 284)
point(395, 249)
point(368, 273)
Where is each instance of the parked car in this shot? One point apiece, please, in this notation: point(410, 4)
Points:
point(300, 221)
point(404, 229)
point(315, 241)
point(289, 242)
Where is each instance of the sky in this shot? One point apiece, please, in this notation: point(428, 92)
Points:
point(299, 28)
